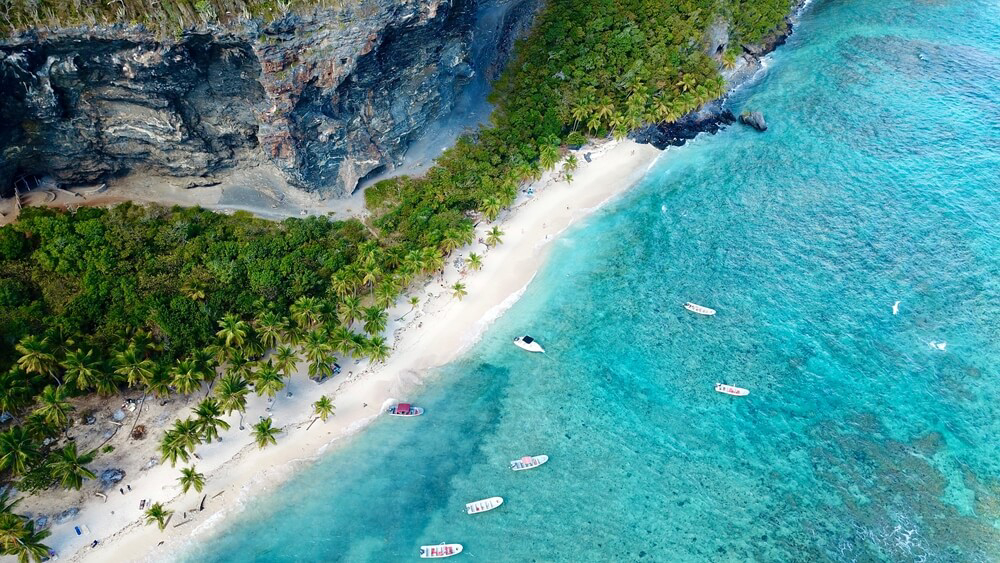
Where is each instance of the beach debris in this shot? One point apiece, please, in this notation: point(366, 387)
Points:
point(895, 308)
point(41, 522)
point(118, 415)
point(139, 432)
point(109, 477)
point(89, 419)
point(153, 462)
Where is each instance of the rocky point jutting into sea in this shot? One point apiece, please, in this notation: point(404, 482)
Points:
point(328, 97)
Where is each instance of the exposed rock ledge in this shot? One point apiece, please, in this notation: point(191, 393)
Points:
point(328, 97)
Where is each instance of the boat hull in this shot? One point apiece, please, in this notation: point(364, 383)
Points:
point(731, 390)
point(699, 309)
point(440, 551)
point(522, 465)
point(484, 505)
point(414, 411)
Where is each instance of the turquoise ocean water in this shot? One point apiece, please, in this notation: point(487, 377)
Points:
point(878, 181)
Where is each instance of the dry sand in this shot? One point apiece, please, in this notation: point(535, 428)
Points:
point(440, 329)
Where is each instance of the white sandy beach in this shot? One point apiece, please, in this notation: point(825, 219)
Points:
point(439, 330)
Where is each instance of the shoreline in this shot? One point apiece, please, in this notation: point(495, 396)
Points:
point(542, 211)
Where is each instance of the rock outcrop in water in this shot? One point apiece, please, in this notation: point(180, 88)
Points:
point(328, 97)
point(713, 116)
point(754, 119)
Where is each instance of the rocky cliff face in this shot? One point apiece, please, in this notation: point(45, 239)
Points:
point(328, 97)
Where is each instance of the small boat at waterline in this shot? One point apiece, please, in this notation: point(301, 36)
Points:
point(528, 343)
point(404, 409)
point(484, 505)
point(731, 390)
point(528, 462)
point(700, 309)
point(440, 551)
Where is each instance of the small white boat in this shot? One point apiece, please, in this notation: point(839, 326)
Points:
point(731, 390)
point(528, 462)
point(528, 343)
point(404, 409)
point(700, 309)
point(440, 551)
point(484, 505)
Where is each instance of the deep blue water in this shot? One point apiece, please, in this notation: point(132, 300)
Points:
point(879, 180)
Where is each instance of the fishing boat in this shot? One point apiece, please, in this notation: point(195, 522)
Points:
point(439, 551)
point(484, 505)
point(528, 462)
point(528, 343)
point(700, 309)
point(404, 409)
point(731, 390)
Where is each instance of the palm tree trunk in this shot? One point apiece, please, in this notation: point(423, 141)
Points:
point(142, 401)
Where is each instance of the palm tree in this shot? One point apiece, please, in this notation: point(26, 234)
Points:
point(19, 538)
point(159, 383)
point(458, 290)
point(187, 432)
point(190, 478)
point(82, 369)
point(452, 240)
point(232, 393)
point(209, 420)
point(386, 293)
point(375, 320)
point(323, 408)
point(17, 450)
point(133, 366)
point(492, 207)
point(268, 327)
point(285, 359)
point(232, 331)
point(268, 381)
point(15, 393)
point(316, 345)
point(36, 356)
point(341, 283)
point(548, 156)
point(475, 261)
point(570, 164)
point(157, 513)
point(494, 236)
point(264, 433)
point(413, 301)
point(306, 311)
point(187, 377)
point(350, 309)
point(70, 468)
point(377, 349)
point(172, 448)
point(54, 406)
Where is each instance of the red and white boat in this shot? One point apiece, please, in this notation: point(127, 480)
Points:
point(440, 551)
point(731, 390)
point(404, 409)
point(528, 462)
point(700, 309)
point(484, 505)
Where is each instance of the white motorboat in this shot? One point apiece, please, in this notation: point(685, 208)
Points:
point(484, 505)
point(440, 551)
point(528, 343)
point(404, 409)
point(528, 462)
point(700, 309)
point(731, 390)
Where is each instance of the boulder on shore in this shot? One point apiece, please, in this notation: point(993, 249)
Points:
point(754, 119)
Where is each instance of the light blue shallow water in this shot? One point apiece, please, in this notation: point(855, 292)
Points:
point(878, 181)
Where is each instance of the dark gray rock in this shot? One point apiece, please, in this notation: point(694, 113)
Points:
point(65, 515)
point(676, 133)
point(109, 477)
point(754, 119)
point(328, 97)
